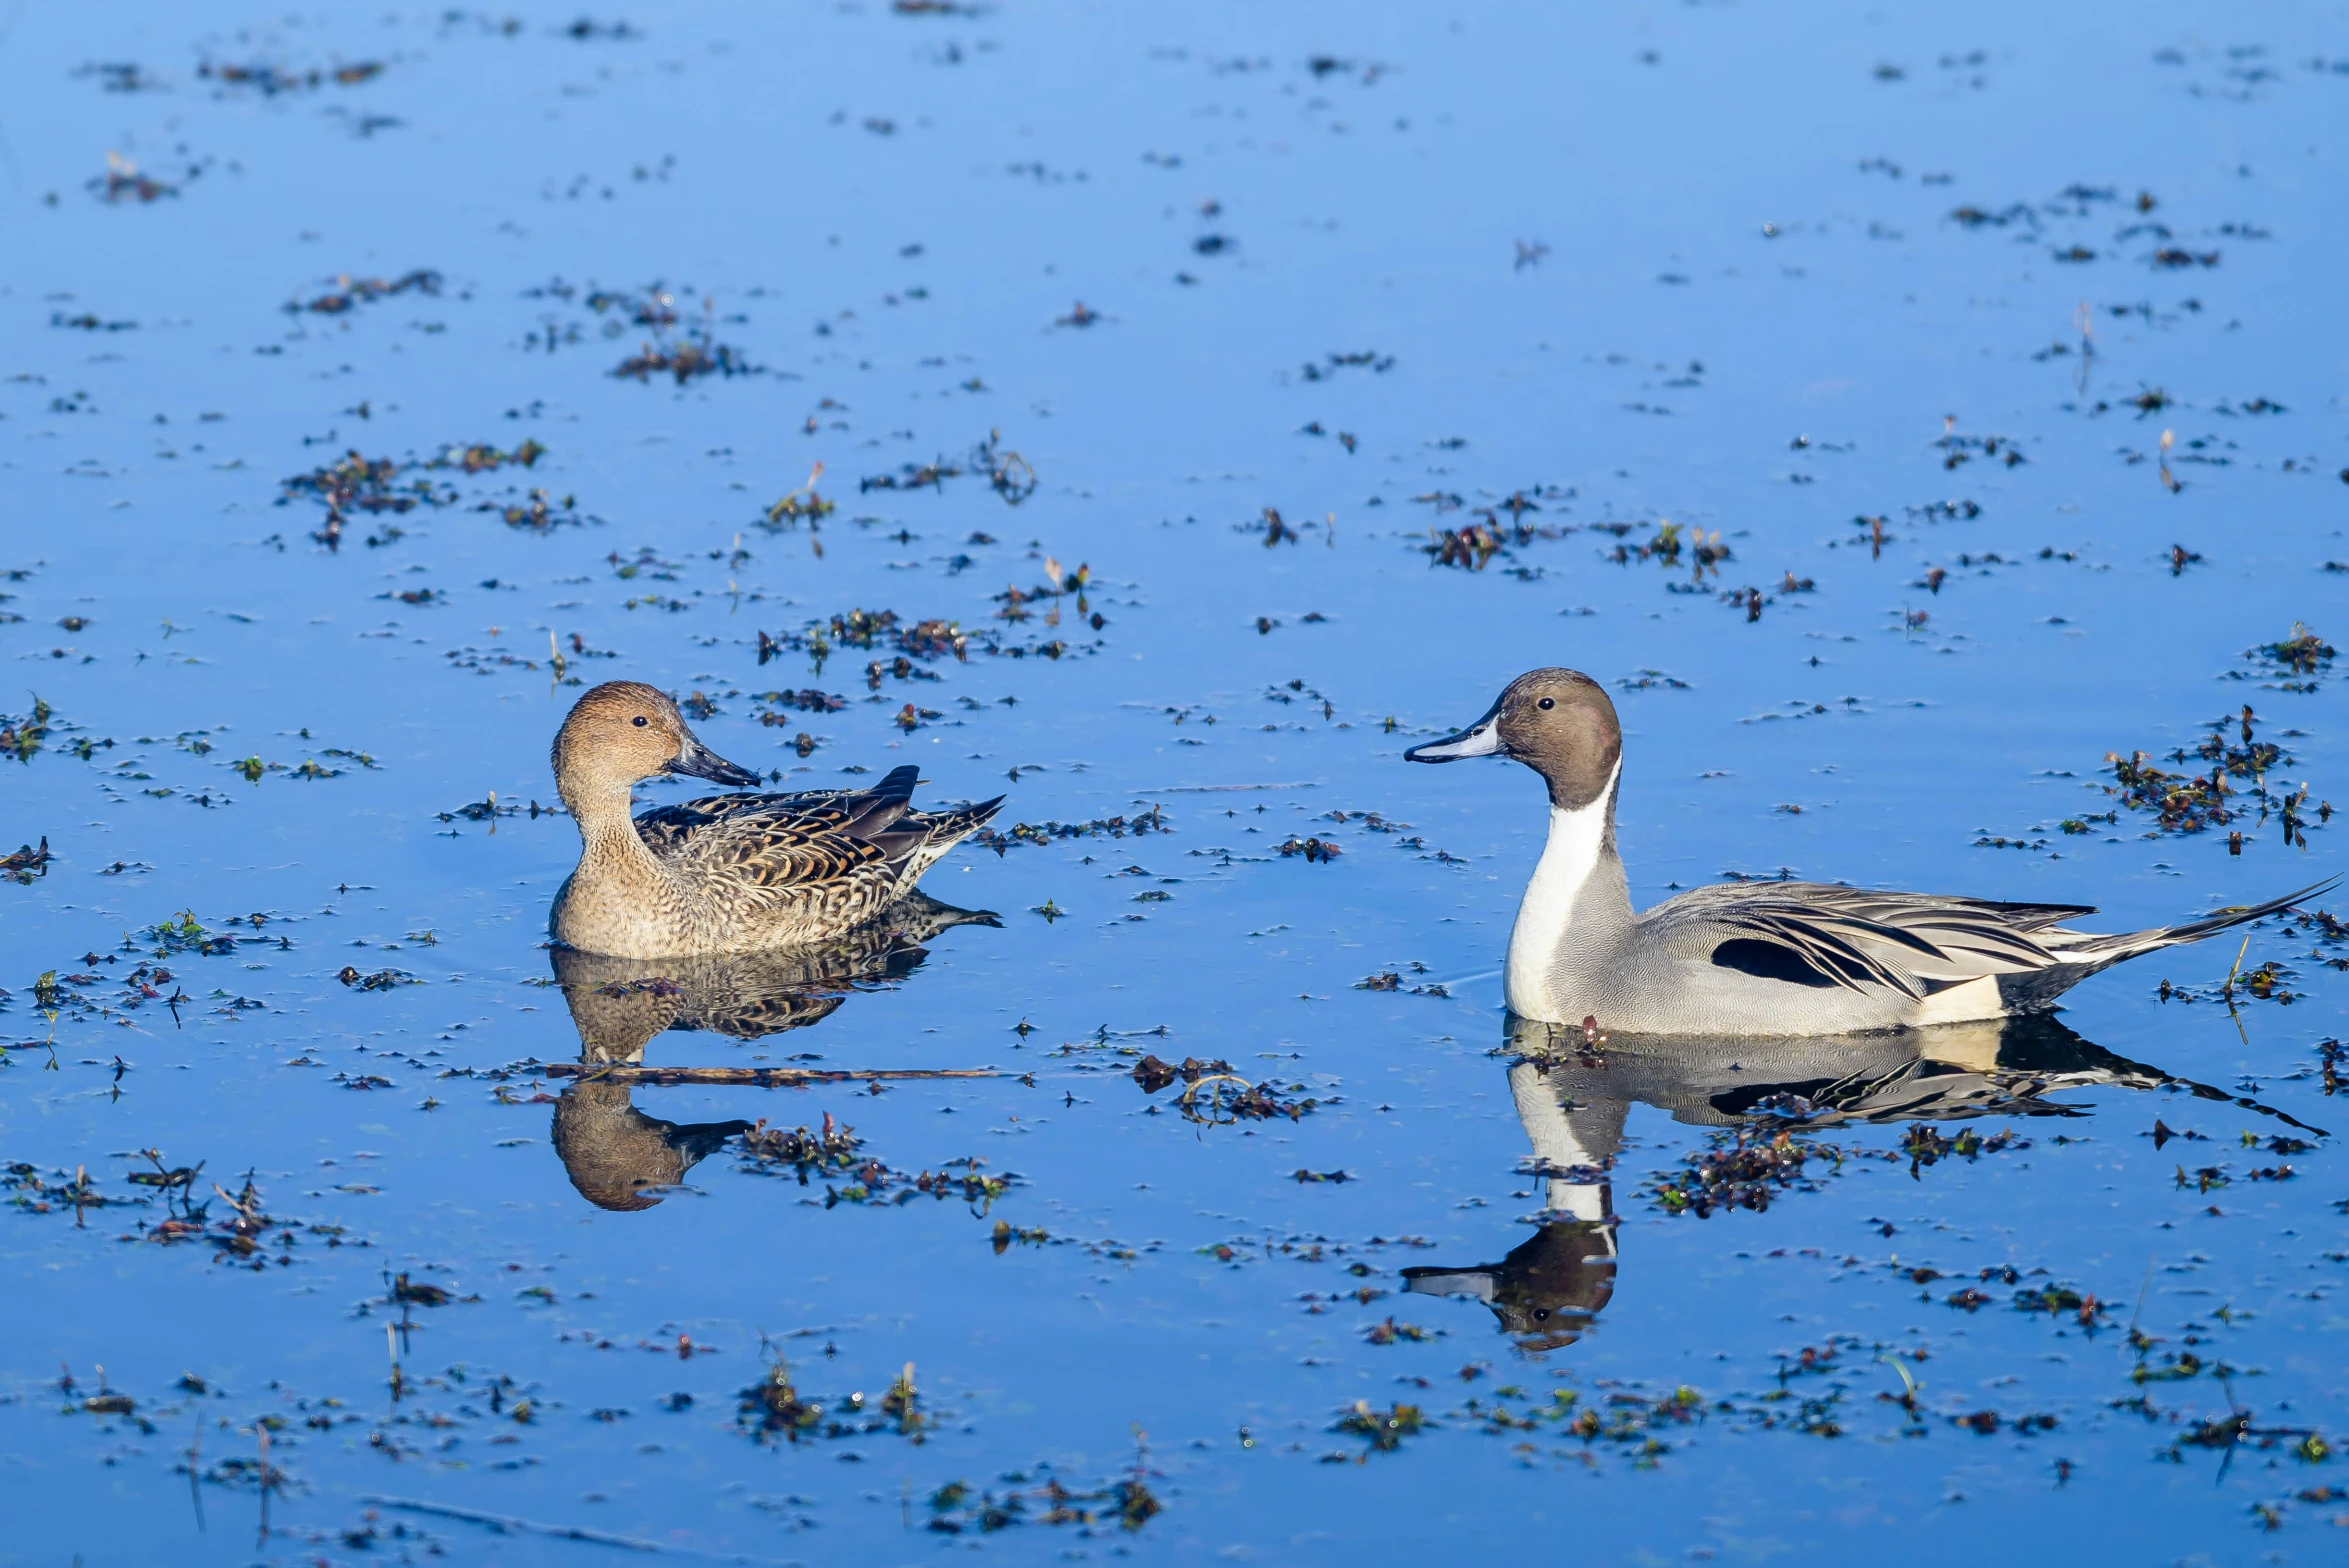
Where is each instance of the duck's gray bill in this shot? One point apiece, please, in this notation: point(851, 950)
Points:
point(1481, 739)
point(704, 763)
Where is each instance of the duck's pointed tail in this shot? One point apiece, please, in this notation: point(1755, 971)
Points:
point(2079, 954)
point(2106, 950)
point(919, 838)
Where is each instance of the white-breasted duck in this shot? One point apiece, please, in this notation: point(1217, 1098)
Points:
point(1755, 958)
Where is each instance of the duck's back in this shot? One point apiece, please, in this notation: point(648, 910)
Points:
point(762, 870)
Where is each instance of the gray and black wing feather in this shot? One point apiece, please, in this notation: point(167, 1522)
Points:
point(1916, 944)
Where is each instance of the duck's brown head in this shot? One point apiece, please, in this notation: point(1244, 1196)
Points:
point(623, 731)
point(621, 1159)
point(1557, 722)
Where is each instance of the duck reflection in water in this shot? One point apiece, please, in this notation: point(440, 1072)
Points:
point(1572, 1101)
point(619, 1157)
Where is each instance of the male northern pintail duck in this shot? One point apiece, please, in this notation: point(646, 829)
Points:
point(730, 873)
point(1754, 958)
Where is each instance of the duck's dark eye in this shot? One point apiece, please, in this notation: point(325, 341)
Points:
point(1547, 702)
point(641, 721)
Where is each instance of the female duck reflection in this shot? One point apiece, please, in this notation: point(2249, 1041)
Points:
point(1553, 1285)
point(616, 1155)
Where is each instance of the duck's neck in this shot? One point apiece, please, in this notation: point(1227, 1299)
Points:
point(1578, 895)
point(609, 844)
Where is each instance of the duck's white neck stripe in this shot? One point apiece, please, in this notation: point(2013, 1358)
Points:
point(1577, 838)
point(1551, 1133)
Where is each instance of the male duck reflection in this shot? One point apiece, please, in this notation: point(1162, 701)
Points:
point(616, 1155)
point(730, 873)
point(1771, 958)
point(1551, 1287)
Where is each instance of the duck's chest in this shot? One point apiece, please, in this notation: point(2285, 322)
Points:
point(1557, 935)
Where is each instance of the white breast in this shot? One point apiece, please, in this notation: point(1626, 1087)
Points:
point(1547, 913)
point(1552, 1134)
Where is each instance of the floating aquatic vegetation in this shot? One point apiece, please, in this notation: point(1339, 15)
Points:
point(380, 980)
point(27, 865)
point(538, 512)
point(1640, 1427)
point(773, 1407)
point(2191, 803)
point(1330, 364)
point(1391, 1332)
point(240, 1237)
point(346, 293)
point(123, 181)
point(806, 700)
point(832, 1148)
point(22, 737)
point(695, 356)
point(1154, 1075)
point(1214, 1093)
point(802, 503)
point(184, 933)
point(1469, 547)
point(1010, 475)
point(2303, 654)
point(120, 76)
point(490, 808)
point(1472, 546)
point(355, 483)
point(29, 1193)
point(1958, 450)
point(901, 668)
point(483, 458)
point(1705, 551)
point(1384, 1429)
point(1151, 821)
point(1129, 1503)
point(1926, 1145)
point(929, 639)
point(270, 80)
point(872, 1182)
point(1972, 217)
point(1743, 1168)
point(1393, 980)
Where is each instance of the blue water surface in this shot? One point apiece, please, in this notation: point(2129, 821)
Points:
point(1909, 415)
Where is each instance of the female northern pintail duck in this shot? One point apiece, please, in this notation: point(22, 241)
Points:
point(1754, 958)
point(730, 873)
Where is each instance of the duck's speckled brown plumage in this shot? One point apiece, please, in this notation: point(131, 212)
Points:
point(728, 873)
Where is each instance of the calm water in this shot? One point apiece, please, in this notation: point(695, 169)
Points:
point(1589, 335)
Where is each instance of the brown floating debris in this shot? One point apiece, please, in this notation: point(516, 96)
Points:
point(684, 361)
point(27, 865)
point(122, 181)
point(349, 291)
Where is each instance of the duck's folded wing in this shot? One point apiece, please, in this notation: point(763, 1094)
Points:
point(861, 814)
point(1815, 934)
point(778, 849)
